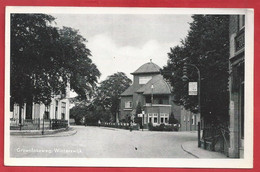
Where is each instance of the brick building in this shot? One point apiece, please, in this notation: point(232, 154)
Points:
point(236, 85)
point(189, 121)
point(153, 93)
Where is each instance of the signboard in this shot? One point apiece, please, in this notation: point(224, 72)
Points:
point(193, 88)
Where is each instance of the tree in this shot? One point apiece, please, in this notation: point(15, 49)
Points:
point(207, 47)
point(45, 59)
point(172, 119)
point(138, 108)
point(109, 91)
point(75, 64)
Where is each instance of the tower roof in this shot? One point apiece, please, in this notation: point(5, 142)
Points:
point(149, 67)
point(160, 86)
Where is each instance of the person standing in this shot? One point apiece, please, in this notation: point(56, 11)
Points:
point(131, 126)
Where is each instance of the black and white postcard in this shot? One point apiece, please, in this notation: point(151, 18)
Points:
point(129, 87)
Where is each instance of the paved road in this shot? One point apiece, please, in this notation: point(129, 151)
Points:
point(101, 142)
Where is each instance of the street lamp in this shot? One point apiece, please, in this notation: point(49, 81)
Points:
point(152, 95)
point(185, 78)
point(143, 120)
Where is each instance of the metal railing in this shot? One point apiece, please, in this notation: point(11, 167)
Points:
point(38, 124)
point(216, 137)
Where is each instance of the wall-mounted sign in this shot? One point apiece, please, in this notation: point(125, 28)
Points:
point(193, 88)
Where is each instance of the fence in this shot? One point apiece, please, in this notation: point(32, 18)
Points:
point(121, 125)
point(216, 138)
point(38, 124)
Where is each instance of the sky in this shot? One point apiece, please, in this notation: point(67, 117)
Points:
point(124, 42)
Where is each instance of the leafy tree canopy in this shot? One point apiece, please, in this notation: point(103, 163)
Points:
point(45, 59)
point(109, 91)
point(104, 103)
point(207, 47)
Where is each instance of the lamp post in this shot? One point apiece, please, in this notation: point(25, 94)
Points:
point(185, 78)
point(143, 120)
point(152, 95)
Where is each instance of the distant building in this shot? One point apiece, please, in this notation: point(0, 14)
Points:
point(153, 93)
point(189, 121)
point(236, 85)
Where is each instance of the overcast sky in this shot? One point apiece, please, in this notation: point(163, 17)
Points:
point(124, 42)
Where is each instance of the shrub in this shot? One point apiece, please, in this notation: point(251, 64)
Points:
point(163, 127)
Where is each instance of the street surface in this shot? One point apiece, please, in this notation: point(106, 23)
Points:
point(102, 142)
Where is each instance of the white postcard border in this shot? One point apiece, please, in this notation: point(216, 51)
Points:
point(247, 162)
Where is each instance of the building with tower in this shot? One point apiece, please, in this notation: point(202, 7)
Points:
point(153, 93)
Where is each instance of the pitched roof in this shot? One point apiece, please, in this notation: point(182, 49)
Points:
point(160, 86)
point(129, 91)
point(149, 67)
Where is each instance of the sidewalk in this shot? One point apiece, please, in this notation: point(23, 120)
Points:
point(192, 148)
point(47, 133)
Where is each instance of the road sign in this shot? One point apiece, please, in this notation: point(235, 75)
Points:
point(193, 88)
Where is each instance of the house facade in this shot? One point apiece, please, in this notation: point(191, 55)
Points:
point(152, 93)
point(32, 115)
point(236, 85)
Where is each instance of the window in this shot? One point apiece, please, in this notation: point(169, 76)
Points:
point(155, 114)
point(128, 104)
point(241, 21)
point(47, 112)
point(155, 120)
point(144, 79)
point(193, 120)
point(56, 109)
point(161, 120)
point(150, 119)
point(242, 103)
point(63, 110)
point(166, 120)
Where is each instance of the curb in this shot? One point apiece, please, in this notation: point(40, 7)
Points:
point(189, 152)
point(51, 135)
point(38, 134)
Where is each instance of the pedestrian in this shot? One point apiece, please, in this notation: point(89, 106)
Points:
point(99, 123)
point(131, 126)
